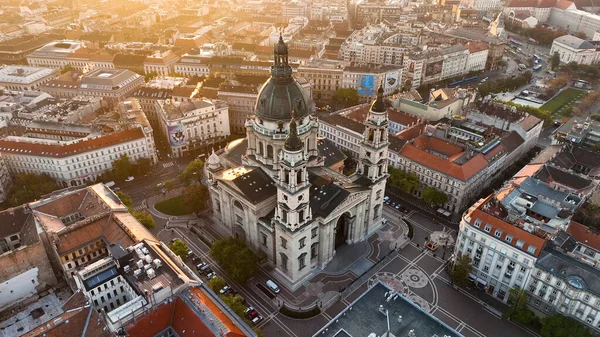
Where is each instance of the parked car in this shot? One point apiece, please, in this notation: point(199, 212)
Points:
point(128, 179)
point(250, 313)
point(116, 189)
point(384, 221)
point(257, 319)
point(393, 204)
point(397, 206)
point(225, 290)
point(189, 253)
point(211, 275)
point(199, 266)
point(386, 198)
point(387, 202)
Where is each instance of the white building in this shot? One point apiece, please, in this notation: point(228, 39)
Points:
point(53, 55)
point(192, 65)
point(325, 77)
point(478, 54)
point(162, 64)
point(437, 65)
point(573, 49)
point(114, 85)
point(278, 198)
point(23, 78)
point(193, 125)
point(74, 162)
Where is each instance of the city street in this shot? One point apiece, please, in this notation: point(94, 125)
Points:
point(415, 272)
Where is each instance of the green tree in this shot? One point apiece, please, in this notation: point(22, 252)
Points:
point(236, 303)
point(518, 310)
point(194, 197)
point(461, 269)
point(144, 218)
point(122, 168)
point(406, 181)
point(580, 35)
point(169, 185)
point(236, 258)
point(66, 68)
point(434, 196)
point(193, 172)
point(27, 187)
point(125, 199)
point(143, 165)
point(180, 248)
point(555, 60)
point(560, 326)
point(346, 97)
point(216, 284)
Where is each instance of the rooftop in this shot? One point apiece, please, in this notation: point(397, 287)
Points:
point(574, 42)
point(107, 79)
point(24, 74)
point(57, 49)
point(367, 315)
point(332, 153)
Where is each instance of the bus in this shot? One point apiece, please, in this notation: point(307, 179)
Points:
point(515, 42)
point(537, 67)
point(463, 81)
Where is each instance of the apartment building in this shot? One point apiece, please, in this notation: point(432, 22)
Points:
point(325, 77)
point(162, 64)
point(54, 54)
point(366, 79)
point(193, 125)
point(114, 85)
point(23, 78)
point(74, 162)
point(579, 131)
point(437, 65)
point(478, 55)
point(441, 103)
point(240, 101)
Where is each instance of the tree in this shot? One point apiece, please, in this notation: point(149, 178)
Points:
point(27, 187)
point(143, 165)
point(216, 284)
point(461, 269)
point(125, 199)
point(169, 185)
point(345, 97)
point(555, 60)
point(144, 218)
point(580, 35)
point(434, 196)
point(122, 168)
point(518, 310)
point(561, 326)
point(236, 258)
point(194, 197)
point(193, 172)
point(236, 303)
point(179, 247)
point(66, 68)
point(407, 182)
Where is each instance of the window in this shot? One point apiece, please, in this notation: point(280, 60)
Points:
point(302, 242)
point(508, 238)
point(301, 261)
point(284, 261)
point(498, 233)
point(520, 244)
point(531, 249)
point(314, 250)
point(263, 238)
point(313, 232)
point(283, 242)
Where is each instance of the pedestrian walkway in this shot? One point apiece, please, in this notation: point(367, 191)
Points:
point(139, 208)
point(169, 164)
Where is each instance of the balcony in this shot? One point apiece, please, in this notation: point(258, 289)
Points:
point(508, 274)
point(511, 267)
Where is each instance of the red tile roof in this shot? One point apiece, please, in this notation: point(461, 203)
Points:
point(438, 145)
point(463, 172)
point(478, 46)
point(61, 151)
point(584, 234)
point(530, 122)
point(506, 228)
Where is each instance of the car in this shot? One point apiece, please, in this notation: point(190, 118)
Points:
point(207, 271)
point(384, 221)
point(159, 185)
point(128, 179)
point(189, 253)
point(225, 290)
point(393, 204)
point(199, 266)
point(397, 206)
point(387, 202)
point(250, 313)
point(257, 319)
point(211, 275)
point(432, 246)
point(483, 81)
point(386, 198)
point(116, 189)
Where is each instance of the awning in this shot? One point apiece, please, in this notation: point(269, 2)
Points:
point(482, 281)
point(472, 276)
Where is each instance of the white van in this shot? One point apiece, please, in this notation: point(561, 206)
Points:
point(109, 184)
point(273, 286)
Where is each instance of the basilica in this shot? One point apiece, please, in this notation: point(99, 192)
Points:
point(280, 188)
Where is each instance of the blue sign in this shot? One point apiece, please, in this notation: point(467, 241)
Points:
point(366, 85)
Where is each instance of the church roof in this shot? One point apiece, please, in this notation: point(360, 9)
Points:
point(325, 196)
point(332, 153)
point(256, 185)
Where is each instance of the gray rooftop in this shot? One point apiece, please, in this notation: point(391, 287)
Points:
point(363, 317)
point(574, 42)
point(575, 273)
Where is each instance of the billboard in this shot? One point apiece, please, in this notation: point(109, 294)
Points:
point(392, 80)
point(366, 84)
point(433, 68)
point(176, 135)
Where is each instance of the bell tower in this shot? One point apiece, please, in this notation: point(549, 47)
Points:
point(374, 147)
point(293, 188)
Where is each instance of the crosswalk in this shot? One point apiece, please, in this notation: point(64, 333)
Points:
point(139, 207)
point(169, 164)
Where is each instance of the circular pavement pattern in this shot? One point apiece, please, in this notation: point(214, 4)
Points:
point(414, 278)
point(391, 280)
point(420, 302)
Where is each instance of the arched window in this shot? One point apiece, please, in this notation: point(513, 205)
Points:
point(283, 261)
point(260, 149)
point(269, 151)
point(238, 205)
